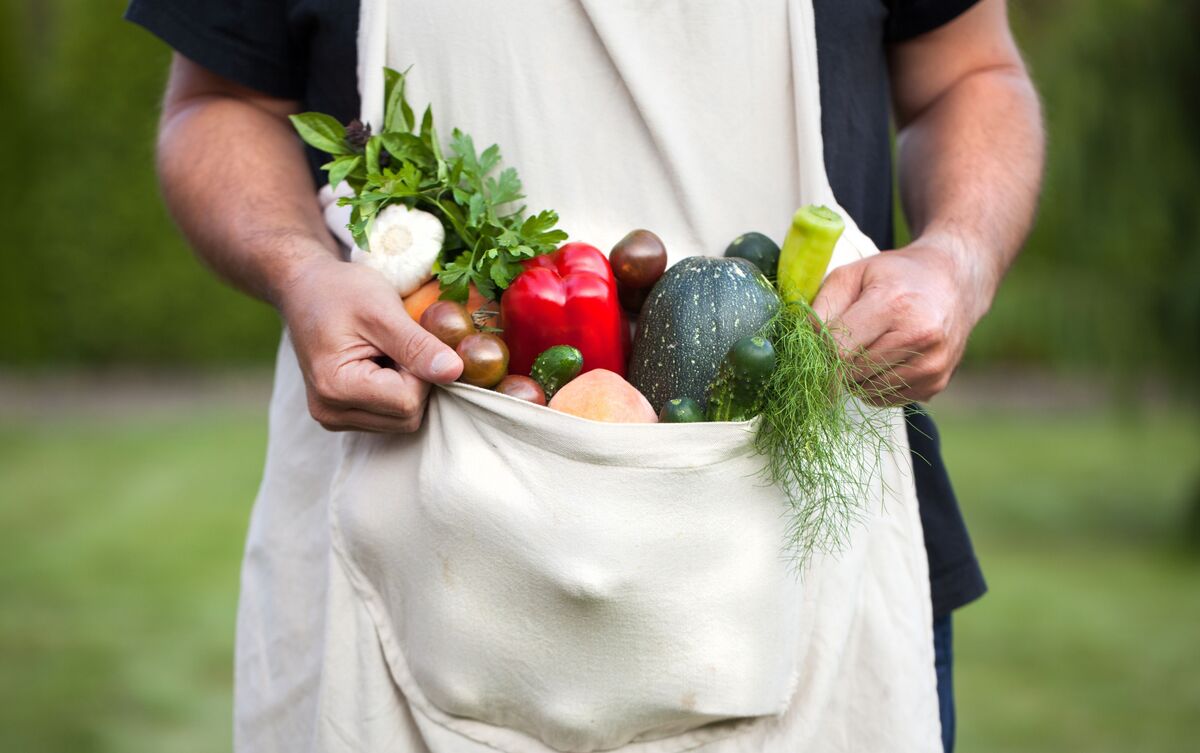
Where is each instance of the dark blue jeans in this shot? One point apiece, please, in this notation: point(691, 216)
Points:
point(943, 662)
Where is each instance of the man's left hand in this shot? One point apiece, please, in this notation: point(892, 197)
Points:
point(902, 318)
point(970, 148)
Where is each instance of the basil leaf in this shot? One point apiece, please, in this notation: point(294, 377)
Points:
point(322, 132)
point(397, 115)
point(373, 145)
point(427, 129)
point(408, 147)
point(341, 167)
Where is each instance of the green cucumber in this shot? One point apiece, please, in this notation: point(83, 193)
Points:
point(681, 410)
point(758, 249)
point(807, 251)
point(737, 392)
point(555, 367)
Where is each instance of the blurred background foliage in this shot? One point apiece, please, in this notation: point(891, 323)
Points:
point(1111, 276)
point(97, 275)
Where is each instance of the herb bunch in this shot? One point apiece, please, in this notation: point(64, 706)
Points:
point(487, 234)
point(819, 432)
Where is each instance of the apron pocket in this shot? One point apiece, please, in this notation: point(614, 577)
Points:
point(586, 584)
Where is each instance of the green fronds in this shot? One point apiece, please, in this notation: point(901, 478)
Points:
point(821, 435)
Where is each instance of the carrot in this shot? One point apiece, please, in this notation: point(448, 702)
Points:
point(416, 303)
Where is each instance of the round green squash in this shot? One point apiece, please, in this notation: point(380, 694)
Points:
point(695, 313)
point(737, 392)
point(757, 248)
point(680, 410)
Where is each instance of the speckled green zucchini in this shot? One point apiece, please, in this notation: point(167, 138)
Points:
point(695, 313)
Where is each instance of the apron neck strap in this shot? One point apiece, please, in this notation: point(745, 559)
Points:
point(372, 57)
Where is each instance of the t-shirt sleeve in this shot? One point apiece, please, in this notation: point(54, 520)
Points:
point(247, 41)
point(912, 18)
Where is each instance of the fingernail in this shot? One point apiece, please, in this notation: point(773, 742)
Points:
point(443, 362)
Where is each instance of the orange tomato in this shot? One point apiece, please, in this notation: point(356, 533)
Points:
point(416, 303)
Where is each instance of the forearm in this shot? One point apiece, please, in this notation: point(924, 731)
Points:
point(970, 140)
point(970, 173)
point(235, 178)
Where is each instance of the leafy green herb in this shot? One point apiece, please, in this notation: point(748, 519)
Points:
point(322, 132)
point(821, 438)
point(487, 232)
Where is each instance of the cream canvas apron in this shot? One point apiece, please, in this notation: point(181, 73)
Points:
point(512, 578)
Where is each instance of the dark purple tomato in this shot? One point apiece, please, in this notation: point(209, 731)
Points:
point(522, 388)
point(448, 321)
point(485, 359)
point(639, 259)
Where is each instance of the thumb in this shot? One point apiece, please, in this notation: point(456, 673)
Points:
point(410, 345)
point(840, 289)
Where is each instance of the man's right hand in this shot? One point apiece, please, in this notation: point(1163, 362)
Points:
point(236, 180)
point(343, 317)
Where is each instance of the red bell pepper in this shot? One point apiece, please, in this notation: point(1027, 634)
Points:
point(568, 297)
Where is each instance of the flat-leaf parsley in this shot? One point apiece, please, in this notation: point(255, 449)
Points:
point(487, 233)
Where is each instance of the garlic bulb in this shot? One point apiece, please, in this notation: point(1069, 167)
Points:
point(404, 244)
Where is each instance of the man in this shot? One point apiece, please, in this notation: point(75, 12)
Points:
point(970, 148)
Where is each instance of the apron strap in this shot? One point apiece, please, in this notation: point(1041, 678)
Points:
point(372, 57)
point(806, 84)
point(373, 32)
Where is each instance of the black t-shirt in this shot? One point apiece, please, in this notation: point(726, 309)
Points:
point(306, 50)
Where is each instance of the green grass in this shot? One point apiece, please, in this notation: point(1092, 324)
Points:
point(121, 545)
point(119, 581)
point(1089, 639)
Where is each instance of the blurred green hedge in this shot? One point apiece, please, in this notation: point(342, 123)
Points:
point(96, 272)
point(97, 275)
point(1111, 276)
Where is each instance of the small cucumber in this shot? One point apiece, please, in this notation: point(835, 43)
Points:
point(555, 367)
point(737, 392)
point(807, 250)
point(681, 410)
point(759, 249)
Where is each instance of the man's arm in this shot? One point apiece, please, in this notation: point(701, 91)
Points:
point(235, 179)
point(971, 152)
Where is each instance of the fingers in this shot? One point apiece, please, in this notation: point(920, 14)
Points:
point(388, 392)
point(917, 380)
point(367, 365)
point(890, 357)
point(855, 318)
point(840, 289)
point(412, 347)
point(364, 396)
point(886, 388)
point(863, 324)
point(891, 350)
point(898, 319)
point(356, 420)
